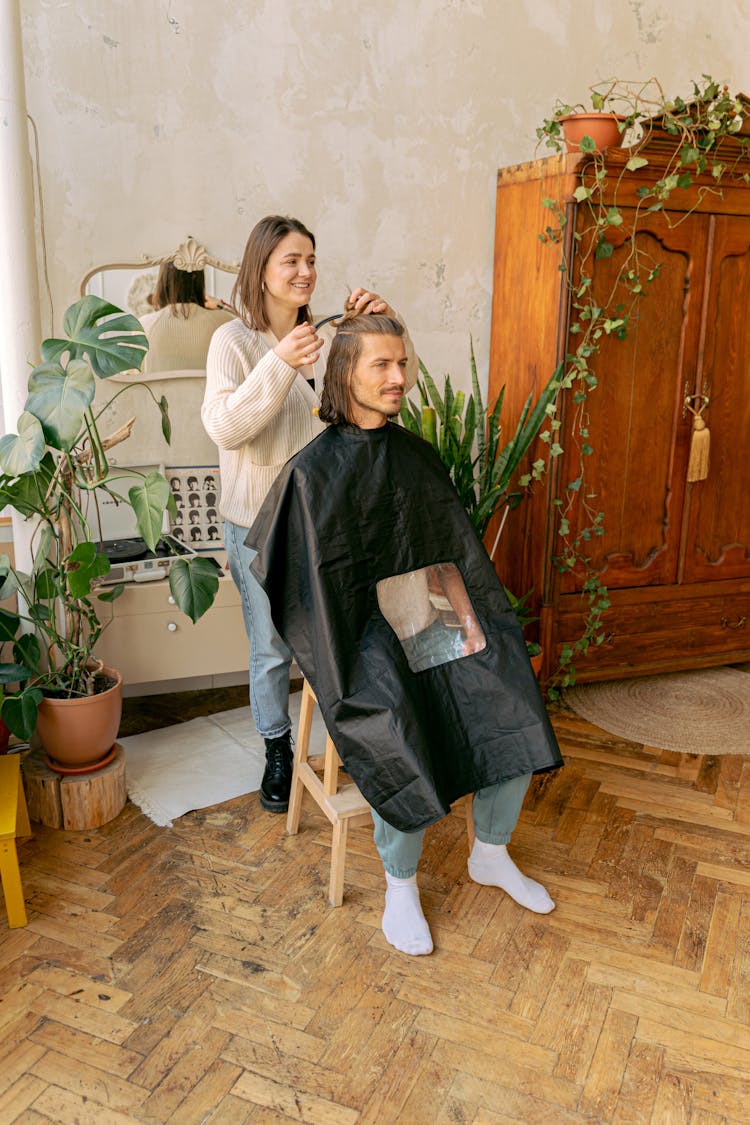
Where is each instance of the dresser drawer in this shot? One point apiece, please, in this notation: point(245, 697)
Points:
point(660, 632)
point(150, 639)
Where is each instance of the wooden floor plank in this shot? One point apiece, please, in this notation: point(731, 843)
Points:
point(19, 1095)
point(721, 945)
point(610, 1058)
point(83, 1046)
point(67, 1108)
point(294, 1103)
point(639, 1086)
point(105, 1090)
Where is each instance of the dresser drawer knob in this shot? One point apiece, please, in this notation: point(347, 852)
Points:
point(172, 627)
point(727, 624)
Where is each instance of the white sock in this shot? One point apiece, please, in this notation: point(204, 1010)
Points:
point(404, 925)
point(491, 865)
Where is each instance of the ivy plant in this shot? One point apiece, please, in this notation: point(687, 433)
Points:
point(707, 150)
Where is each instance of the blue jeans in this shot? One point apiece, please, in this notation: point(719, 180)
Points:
point(270, 659)
point(437, 644)
point(496, 810)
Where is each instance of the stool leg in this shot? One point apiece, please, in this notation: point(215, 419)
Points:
point(301, 750)
point(338, 861)
point(330, 769)
point(11, 880)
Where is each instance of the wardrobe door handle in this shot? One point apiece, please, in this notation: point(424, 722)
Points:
point(727, 624)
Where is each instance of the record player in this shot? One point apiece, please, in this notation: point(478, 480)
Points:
point(130, 558)
point(132, 561)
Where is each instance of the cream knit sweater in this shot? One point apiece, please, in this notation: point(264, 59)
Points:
point(259, 411)
point(178, 342)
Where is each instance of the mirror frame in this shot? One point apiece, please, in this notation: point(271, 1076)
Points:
point(190, 250)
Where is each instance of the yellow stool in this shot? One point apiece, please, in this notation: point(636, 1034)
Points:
point(342, 806)
point(14, 821)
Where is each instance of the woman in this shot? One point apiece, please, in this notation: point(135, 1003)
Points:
point(180, 330)
point(260, 409)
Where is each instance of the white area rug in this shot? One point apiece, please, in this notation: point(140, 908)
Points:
point(200, 763)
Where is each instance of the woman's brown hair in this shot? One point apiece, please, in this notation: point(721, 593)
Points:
point(247, 294)
point(346, 349)
point(179, 287)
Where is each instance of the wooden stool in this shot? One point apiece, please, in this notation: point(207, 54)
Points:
point(14, 821)
point(343, 806)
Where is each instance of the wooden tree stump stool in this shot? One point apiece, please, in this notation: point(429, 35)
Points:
point(75, 802)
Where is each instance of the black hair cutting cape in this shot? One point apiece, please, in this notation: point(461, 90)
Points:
point(355, 506)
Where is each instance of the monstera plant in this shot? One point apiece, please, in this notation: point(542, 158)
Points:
point(53, 472)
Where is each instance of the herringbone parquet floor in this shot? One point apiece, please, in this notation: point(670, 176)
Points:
point(197, 974)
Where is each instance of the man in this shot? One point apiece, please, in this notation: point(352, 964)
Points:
point(380, 587)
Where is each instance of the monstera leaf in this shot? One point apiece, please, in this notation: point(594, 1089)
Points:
point(8, 581)
point(19, 712)
point(9, 623)
point(27, 493)
point(193, 583)
point(112, 345)
point(149, 499)
point(59, 397)
point(22, 452)
point(83, 565)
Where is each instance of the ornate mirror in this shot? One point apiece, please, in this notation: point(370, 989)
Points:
point(190, 454)
point(128, 284)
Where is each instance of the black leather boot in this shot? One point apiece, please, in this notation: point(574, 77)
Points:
point(277, 778)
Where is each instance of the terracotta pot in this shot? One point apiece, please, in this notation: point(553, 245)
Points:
point(603, 128)
point(80, 732)
point(536, 663)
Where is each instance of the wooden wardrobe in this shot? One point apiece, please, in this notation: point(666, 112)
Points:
point(674, 556)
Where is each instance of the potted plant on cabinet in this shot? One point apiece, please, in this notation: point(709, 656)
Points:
point(485, 470)
point(53, 472)
point(623, 111)
point(583, 128)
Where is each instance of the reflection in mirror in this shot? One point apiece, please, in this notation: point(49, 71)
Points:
point(175, 365)
point(129, 284)
point(431, 613)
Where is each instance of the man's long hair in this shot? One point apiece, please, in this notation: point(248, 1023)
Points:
point(247, 295)
point(346, 348)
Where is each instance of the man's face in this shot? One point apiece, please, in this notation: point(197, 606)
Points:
point(376, 386)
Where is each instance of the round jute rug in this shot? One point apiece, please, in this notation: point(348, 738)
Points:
point(702, 712)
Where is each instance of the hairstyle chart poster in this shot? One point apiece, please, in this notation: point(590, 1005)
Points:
point(196, 490)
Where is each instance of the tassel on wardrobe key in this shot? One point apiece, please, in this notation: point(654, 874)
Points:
point(700, 448)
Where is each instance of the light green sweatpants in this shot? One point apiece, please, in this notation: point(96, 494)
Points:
point(495, 809)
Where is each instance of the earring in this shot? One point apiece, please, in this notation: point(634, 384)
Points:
point(262, 286)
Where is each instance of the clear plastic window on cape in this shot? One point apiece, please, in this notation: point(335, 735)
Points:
point(431, 613)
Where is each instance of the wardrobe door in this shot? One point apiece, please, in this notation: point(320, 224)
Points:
point(640, 440)
point(717, 535)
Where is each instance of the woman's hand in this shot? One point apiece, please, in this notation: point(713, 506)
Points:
point(300, 347)
point(363, 301)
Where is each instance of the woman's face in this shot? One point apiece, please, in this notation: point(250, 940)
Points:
point(290, 273)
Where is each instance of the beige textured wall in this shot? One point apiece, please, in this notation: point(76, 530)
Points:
point(380, 125)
